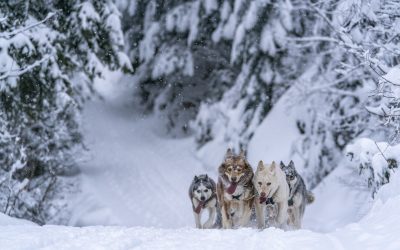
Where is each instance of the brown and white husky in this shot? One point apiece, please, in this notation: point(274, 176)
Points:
point(235, 190)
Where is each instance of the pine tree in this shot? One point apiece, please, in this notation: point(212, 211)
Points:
point(50, 54)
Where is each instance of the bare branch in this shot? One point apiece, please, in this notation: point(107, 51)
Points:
point(24, 70)
point(384, 157)
point(8, 35)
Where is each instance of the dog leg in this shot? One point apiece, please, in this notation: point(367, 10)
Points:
point(298, 205)
point(271, 213)
point(212, 211)
point(291, 218)
point(260, 215)
point(197, 219)
point(282, 215)
point(226, 217)
point(297, 218)
point(244, 221)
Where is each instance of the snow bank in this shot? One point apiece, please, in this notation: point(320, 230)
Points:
point(6, 220)
point(378, 230)
point(337, 203)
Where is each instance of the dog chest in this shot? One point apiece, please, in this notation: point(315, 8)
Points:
point(238, 195)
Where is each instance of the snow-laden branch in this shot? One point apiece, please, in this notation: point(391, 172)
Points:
point(314, 39)
point(8, 35)
point(24, 70)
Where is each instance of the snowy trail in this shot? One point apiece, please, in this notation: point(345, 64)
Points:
point(134, 178)
point(376, 231)
point(137, 177)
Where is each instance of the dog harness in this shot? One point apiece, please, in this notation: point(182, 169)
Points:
point(267, 201)
point(202, 204)
point(236, 197)
point(290, 201)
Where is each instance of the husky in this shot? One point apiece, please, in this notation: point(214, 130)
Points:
point(235, 190)
point(202, 193)
point(272, 193)
point(299, 197)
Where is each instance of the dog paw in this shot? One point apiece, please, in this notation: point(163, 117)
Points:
point(208, 225)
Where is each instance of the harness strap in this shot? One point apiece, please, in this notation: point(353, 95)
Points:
point(236, 197)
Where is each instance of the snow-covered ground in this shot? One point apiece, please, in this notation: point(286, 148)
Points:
point(378, 230)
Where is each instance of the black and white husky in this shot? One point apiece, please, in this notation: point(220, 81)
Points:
point(202, 193)
point(299, 197)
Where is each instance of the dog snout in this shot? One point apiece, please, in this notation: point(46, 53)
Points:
point(234, 178)
point(263, 194)
point(202, 198)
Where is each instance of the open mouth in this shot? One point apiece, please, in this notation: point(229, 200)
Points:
point(232, 188)
point(263, 199)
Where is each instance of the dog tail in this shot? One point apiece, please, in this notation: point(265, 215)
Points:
point(310, 197)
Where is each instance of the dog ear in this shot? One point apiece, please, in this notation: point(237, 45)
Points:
point(242, 153)
point(272, 168)
point(206, 177)
point(228, 153)
point(196, 178)
point(282, 164)
point(260, 165)
point(291, 164)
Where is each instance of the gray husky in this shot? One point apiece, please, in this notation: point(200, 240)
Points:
point(299, 197)
point(202, 193)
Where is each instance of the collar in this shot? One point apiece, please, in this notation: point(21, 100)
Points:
point(269, 201)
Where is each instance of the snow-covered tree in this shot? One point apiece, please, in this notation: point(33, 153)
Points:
point(349, 41)
point(50, 52)
point(200, 58)
point(222, 65)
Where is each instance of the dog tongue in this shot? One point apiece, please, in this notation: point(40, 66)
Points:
point(232, 188)
point(263, 199)
point(199, 207)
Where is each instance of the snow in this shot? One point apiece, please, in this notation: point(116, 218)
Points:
point(149, 43)
point(171, 59)
point(9, 221)
point(269, 145)
point(251, 16)
point(393, 77)
point(267, 43)
point(378, 230)
point(210, 6)
point(88, 15)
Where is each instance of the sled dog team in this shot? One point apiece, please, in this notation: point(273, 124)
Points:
point(278, 195)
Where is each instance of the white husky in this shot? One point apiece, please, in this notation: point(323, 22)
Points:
point(271, 189)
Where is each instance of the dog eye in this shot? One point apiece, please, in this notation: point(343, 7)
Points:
point(259, 183)
point(206, 190)
point(198, 191)
point(268, 183)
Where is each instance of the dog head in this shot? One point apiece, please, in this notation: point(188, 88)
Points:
point(203, 187)
point(235, 168)
point(290, 172)
point(265, 180)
